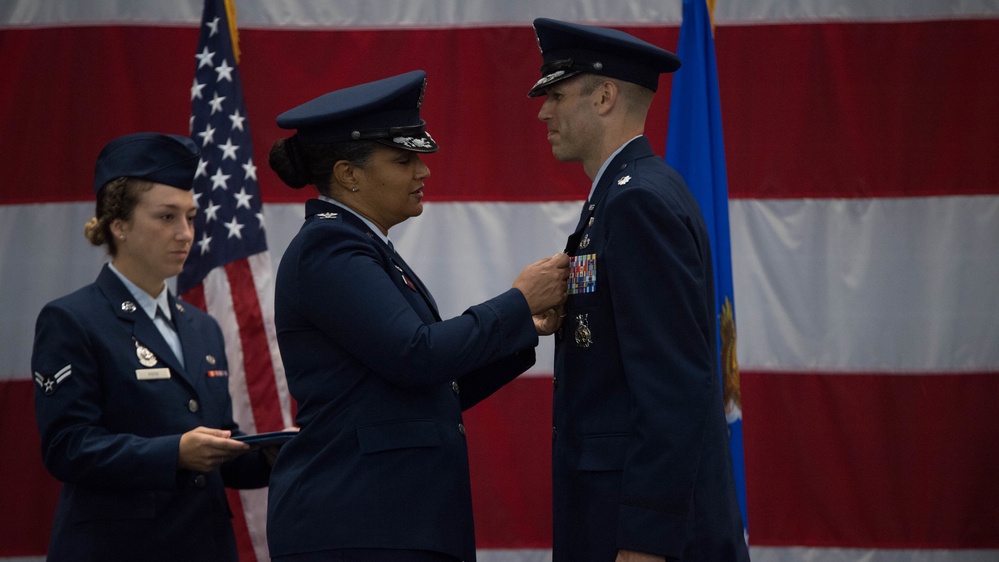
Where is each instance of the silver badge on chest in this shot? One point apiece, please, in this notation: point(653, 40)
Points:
point(583, 335)
point(146, 357)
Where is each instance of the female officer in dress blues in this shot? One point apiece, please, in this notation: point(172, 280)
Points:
point(132, 399)
point(379, 470)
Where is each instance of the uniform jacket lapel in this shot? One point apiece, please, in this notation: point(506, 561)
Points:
point(392, 259)
point(190, 341)
point(144, 332)
point(638, 148)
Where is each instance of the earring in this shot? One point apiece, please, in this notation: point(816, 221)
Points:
point(122, 237)
point(353, 189)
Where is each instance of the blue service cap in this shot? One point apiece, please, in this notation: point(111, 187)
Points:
point(386, 111)
point(168, 159)
point(568, 49)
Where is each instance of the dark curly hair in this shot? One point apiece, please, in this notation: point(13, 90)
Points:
point(116, 200)
point(299, 164)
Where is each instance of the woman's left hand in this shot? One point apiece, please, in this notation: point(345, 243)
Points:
point(203, 449)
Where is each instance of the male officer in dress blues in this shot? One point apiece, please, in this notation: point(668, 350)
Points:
point(641, 468)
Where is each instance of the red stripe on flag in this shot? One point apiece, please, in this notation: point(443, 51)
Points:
point(244, 545)
point(259, 370)
point(196, 296)
point(509, 455)
point(860, 110)
point(872, 460)
point(812, 113)
point(29, 493)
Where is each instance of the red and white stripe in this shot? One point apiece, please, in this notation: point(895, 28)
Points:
point(861, 143)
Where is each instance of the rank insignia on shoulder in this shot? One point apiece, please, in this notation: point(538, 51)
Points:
point(624, 180)
point(327, 215)
point(583, 335)
point(50, 384)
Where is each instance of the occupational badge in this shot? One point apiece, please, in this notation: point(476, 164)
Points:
point(146, 357)
point(584, 242)
point(210, 359)
point(50, 384)
point(583, 335)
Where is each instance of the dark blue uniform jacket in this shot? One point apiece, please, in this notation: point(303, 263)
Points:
point(110, 428)
point(640, 450)
point(381, 382)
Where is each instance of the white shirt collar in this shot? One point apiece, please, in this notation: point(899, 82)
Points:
point(143, 299)
point(370, 224)
point(596, 178)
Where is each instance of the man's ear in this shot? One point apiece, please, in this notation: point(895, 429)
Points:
point(607, 96)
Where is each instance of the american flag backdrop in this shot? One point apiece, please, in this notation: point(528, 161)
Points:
point(228, 272)
point(860, 142)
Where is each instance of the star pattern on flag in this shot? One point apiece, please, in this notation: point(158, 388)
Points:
point(229, 223)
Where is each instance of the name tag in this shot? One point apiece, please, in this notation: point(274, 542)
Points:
point(152, 374)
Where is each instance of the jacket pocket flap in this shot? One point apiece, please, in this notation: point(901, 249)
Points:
point(603, 452)
point(398, 435)
point(103, 505)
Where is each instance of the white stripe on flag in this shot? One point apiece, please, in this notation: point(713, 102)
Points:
point(896, 285)
point(803, 554)
point(359, 14)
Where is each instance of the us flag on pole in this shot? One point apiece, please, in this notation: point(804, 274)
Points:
point(228, 272)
